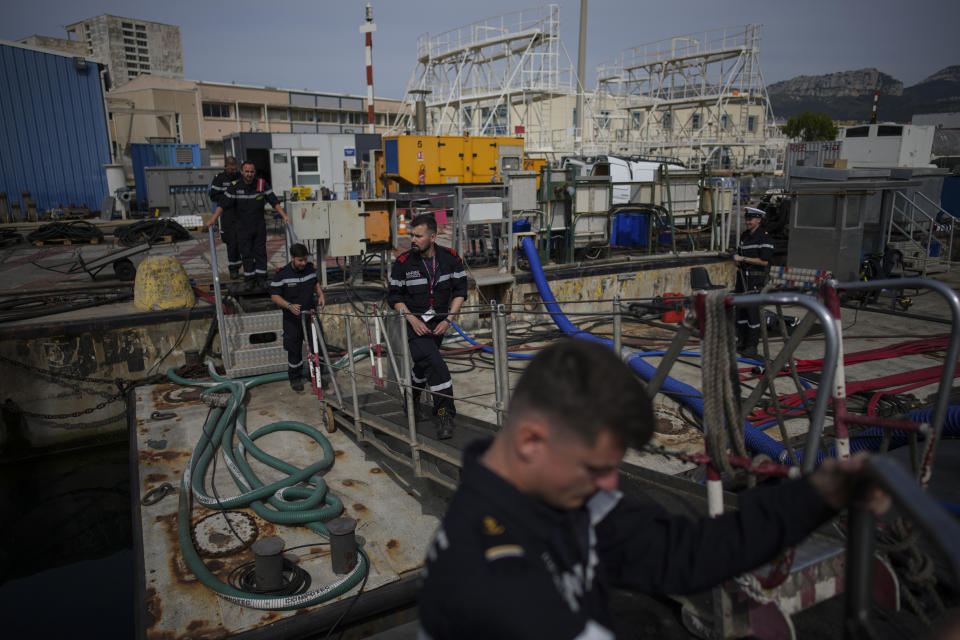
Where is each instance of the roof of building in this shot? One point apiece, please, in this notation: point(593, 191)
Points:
point(53, 52)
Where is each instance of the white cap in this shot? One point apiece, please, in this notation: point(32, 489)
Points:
point(753, 212)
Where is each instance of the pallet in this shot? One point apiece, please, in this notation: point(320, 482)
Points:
point(60, 242)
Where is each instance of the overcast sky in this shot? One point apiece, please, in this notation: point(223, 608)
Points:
point(316, 45)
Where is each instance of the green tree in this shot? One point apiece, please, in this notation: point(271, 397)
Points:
point(811, 125)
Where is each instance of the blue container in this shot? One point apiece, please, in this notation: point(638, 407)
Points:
point(160, 155)
point(933, 248)
point(53, 128)
point(630, 230)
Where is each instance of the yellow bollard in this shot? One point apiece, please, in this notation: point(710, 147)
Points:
point(162, 284)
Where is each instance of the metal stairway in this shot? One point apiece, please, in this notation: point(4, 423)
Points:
point(923, 231)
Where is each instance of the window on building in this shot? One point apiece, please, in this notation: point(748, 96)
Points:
point(126, 25)
point(356, 117)
point(667, 120)
point(128, 34)
point(857, 132)
point(130, 49)
point(142, 50)
point(696, 120)
point(141, 27)
point(278, 113)
point(132, 74)
point(144, 67)
point(131, 58)
point(497, 125)
point(128, 41)
point(751, 123)
point(636, 119)
point(144, 59)
point(216, 110)
point(250, 112)
point(889, 130)
point(307, 163)
point(302, 115)
point(327, 116)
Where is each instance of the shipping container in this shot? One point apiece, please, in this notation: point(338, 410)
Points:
point(160, 155)
point(54, 140)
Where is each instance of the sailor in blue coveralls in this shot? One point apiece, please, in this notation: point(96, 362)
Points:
point(246, 201)
point(753, 260)
point(293, 289)
point(428, 284)
point(228, 228)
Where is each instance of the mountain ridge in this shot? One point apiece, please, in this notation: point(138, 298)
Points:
point(848, 95)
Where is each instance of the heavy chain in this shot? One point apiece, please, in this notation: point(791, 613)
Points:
point(60, 416)
point(123, 386)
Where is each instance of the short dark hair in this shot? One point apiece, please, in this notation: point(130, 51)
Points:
point(584, 389)
point(248, 162)
point(297, 250)
point(230, 160)
point(425, 219)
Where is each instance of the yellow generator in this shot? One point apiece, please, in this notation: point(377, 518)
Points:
point(424, 161)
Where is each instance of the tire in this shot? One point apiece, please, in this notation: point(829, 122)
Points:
point(124, 269)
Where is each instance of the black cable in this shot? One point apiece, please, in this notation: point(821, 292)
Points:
point(79, 231)
point(294, 579)
point(352, 602)
point(151, 231)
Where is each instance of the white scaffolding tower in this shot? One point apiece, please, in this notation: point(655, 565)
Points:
point(493, 77)
point(699, 97)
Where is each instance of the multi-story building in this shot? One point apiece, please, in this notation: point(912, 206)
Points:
point(131, 47)
point(154, 109)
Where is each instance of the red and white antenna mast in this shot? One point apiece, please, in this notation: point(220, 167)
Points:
point(368, 28)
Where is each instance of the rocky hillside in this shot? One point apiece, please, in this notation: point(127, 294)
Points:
point(845, 83)
point(848, 95)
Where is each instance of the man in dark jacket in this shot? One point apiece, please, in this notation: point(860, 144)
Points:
point(246, 201)
point(537, 532)
point(428, 284)
point(293, 289)
point(753, 261)
point(228, 228)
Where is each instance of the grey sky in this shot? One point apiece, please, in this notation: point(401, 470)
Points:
point(316, 45)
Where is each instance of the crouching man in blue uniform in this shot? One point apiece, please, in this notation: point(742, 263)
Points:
point(428, 284)
point(293, 289)
point(537, 532)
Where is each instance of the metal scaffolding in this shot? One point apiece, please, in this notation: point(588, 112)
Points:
point(700, 97)
point(493, 77)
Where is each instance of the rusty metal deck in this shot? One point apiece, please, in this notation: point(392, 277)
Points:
point(396, 517)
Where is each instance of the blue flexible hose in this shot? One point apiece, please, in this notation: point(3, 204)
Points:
point(485, 348)
point(756, 439)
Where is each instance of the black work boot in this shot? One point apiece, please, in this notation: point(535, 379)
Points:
point(444, 424)
point(234, 273)
point(296, 385)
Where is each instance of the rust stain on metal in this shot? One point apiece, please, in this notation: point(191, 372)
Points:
point(194, 625)
point(348, 482)
point(153, 608)
point(392, 544)
point(266, 412)
point(218, 539)
point(155, 477)
point(376, 470)
point(337, 453)
point(359, 506)
point(162, 457)
point(669, 422)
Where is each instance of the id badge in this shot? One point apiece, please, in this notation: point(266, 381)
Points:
point(428, 316)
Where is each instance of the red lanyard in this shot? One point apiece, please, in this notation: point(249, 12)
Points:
point(431, 277)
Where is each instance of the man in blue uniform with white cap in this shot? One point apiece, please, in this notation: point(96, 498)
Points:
point(753, 261)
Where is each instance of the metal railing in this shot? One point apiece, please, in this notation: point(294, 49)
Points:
point(924, 231)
